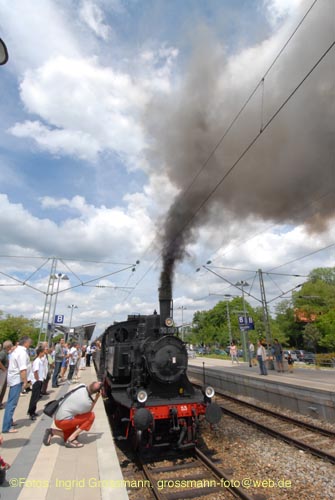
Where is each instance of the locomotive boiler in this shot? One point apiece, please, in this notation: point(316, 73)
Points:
point(143, 366)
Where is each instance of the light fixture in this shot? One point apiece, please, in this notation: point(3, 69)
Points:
point(142, 396)
point(169, 322)
point(209, 391)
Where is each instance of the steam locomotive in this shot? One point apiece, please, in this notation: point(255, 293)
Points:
point(143, 366)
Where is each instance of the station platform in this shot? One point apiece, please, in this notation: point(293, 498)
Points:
point(308, 390)
point(55, 472)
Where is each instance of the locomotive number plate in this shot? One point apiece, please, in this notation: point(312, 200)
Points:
point(164, 330)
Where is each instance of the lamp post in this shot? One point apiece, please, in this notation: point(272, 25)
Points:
point(182, 321)
point(229, 323)
point(58, 277)
point(3, 52)
point(228, 313)
point(72, 306)
point(242, 284)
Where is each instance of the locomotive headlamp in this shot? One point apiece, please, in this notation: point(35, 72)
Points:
point(209, 391)
point(169, 322)
point(142, 396)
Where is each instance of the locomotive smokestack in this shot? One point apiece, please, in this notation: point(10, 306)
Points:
point(165, 297)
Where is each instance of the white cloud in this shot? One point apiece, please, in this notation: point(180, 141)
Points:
point(88, 108)
point(278, 10)
point(97, 231)
point(37, 32)
point(58, 142)
point(93, 16)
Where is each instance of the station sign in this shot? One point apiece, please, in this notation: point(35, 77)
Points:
point(246, 323)
point(59, 319)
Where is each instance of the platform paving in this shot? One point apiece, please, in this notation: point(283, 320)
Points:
point(54, 472)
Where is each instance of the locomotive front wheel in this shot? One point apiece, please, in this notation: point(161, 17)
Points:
point(137, 439)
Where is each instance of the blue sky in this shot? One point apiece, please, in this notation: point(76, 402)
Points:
point(94, 99)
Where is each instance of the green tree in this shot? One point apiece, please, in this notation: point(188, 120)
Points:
point(325, 274)
point(14, 327)
point(288, 332)
point(326, 325)
point(312, 336)
point(315, 304)
point(212, 327)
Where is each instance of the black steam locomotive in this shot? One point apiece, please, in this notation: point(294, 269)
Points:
point(143, 366)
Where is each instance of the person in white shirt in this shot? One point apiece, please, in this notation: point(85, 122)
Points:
point(261, 358)
point(73, 358)
point(75, 415)
point(38, 374)
point(251, 353)
point(17, 379)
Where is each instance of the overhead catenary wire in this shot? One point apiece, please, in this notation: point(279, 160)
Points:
point(303, 257)
point(258, 233)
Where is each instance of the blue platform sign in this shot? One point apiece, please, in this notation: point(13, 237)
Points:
point(59, 319)
point(246, 323)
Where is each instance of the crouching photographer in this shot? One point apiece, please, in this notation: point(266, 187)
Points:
point(75, 415)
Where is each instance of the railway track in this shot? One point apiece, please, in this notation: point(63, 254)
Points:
point(191, 476)
point(305, 436)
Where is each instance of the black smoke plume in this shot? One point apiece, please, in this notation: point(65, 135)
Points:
point(288, 175)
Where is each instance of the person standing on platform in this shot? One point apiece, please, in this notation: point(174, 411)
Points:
point(73, 358)
point(278, 354)
point(74, 415)
point(251, 353)
point(83, 358)
point(37, 381)
point(88, 356)
point(76, 375)
point(261, 358)
point(290, 362)
point(48, 367)
point(65, 362)
point(18, 375)
point(233, 352)
point(4, 362)
point(59, 356)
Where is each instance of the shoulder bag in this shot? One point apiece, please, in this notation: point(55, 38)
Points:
point(51, 407)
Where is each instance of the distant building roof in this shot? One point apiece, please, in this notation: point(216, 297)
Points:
point(78, 333)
